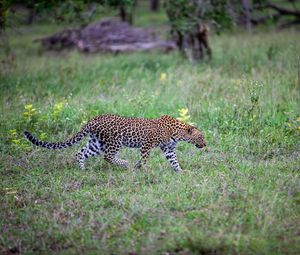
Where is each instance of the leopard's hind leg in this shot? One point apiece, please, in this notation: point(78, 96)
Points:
point(94, 147)
point(110, 152)
point(145, 153)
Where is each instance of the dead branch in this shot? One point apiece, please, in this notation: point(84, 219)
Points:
point(282, 10)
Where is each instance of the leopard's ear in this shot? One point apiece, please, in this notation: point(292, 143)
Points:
point(190, 130)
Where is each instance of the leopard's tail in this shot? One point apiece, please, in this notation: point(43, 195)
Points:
point(59, 145)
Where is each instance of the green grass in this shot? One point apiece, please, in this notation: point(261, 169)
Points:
point(241, 195)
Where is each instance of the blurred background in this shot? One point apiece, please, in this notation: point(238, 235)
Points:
point(182, 24)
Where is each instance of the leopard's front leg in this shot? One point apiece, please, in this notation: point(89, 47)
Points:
point(170, 154)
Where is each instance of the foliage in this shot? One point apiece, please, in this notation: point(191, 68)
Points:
point(69, 11)
point(3, 15)
point(238, 196)
point(4, 43)
point(217, 12)
point(185, 14)
point(117, 2)
point(182, 14)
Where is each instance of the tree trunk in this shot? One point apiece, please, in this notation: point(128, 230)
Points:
point(3, 11)
point(128, 16)
point(247, 14)
point(123, 13)
point(154, 5)
point(31, 16)
point(3, 36)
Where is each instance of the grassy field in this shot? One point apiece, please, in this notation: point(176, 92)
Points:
point(241, 195)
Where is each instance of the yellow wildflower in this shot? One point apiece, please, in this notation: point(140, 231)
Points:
point(179, 83)
point(29, 110)
point(58, 107)
point(298, 119)
point(43, 136)
point(163, 77)
point(12, 132)
point(14, 137)
point(184, 116)
point(16, 141)
point(28, 107)
point(183, 111)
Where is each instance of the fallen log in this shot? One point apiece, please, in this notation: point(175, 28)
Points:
point(108, 35)
point(165, 46)
point(64, 39)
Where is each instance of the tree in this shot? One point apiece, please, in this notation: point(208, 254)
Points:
point(126, 8)
point(188, 18)
point(247, 15)
point(4, 7)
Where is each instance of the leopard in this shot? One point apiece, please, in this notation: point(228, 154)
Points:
point(109, 133)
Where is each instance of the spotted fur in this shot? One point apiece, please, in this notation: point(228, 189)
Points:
point(108, 133)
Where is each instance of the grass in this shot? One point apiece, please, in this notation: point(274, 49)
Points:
point(241, 195)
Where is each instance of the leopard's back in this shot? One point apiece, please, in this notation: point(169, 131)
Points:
point(130, 132)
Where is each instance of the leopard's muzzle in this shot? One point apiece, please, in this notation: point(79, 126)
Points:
point(200, 146)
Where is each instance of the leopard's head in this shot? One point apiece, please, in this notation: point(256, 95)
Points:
point(184, 132)
point(194, 136)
